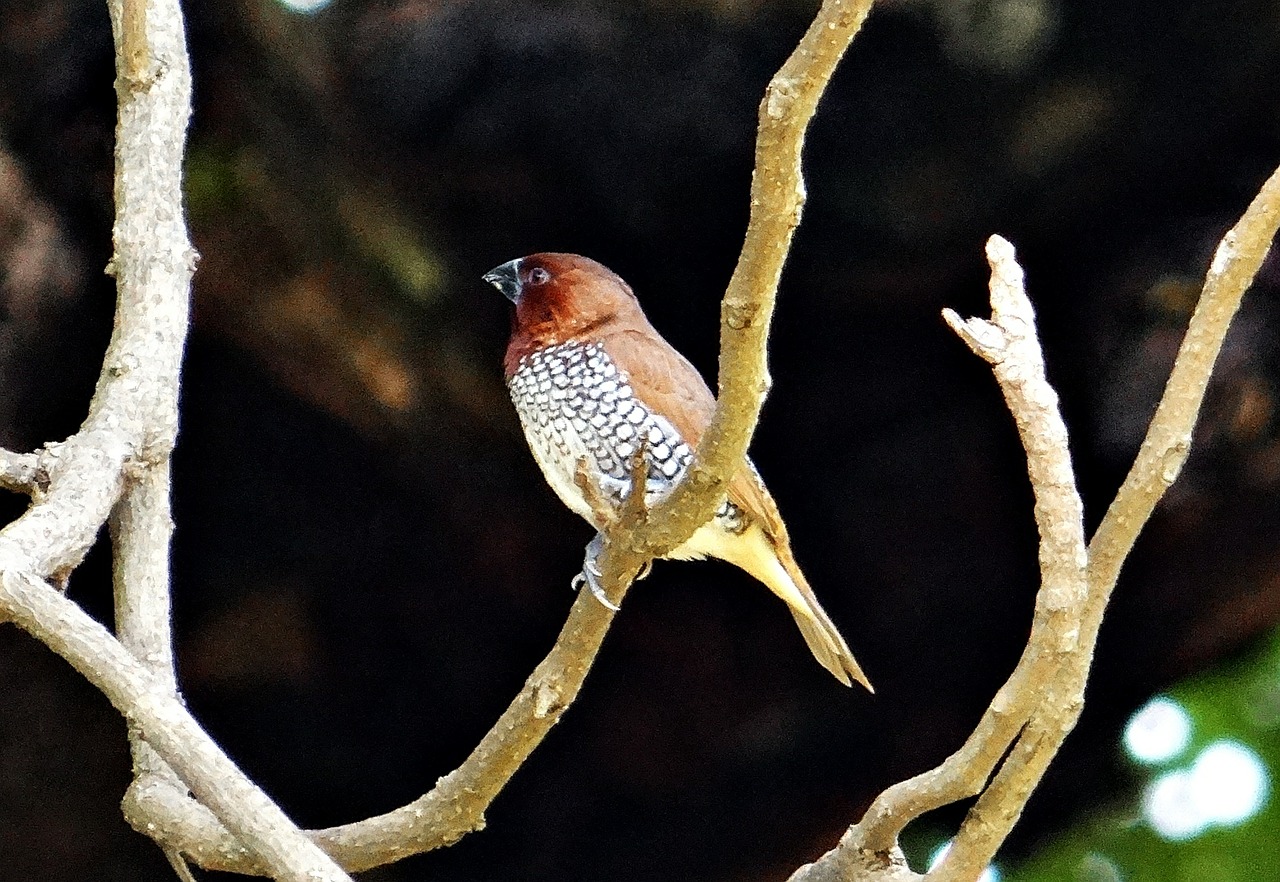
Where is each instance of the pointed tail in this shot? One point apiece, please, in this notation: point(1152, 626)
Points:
point(768, 558)
point(785, 579)
point(824, 640)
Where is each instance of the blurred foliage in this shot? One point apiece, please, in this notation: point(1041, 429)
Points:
point(1236, 703)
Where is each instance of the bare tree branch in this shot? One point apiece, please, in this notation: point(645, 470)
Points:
point(1008, 341)
point(117, 466)
point(66, 629)
point(456, 805)
point(1163, 452)
point(21, 472)
point(153, 261)
point(1168, 440)
point(1010, 345)
point(141, 529)
point(777, 199)
point(1037, 707)
point(125, 440)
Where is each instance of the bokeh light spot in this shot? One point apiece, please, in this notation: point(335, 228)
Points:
point(1158, 731)
point(1225, 786)
point(304, 7)
point(1095, 867)
point(1229, 782)
point(990, 874)
point(1170, 807)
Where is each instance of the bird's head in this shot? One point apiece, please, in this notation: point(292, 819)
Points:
point(561, 297)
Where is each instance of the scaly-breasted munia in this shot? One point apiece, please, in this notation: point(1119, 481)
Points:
point(593, 383)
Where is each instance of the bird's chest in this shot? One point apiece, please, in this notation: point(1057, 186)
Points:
point(577, 407)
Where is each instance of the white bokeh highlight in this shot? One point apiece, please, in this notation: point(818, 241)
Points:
point(1170, 807)
point(1229, 782)
point(304, 7)
point(1158, 732)
point(1226, 785)
point(990, 874)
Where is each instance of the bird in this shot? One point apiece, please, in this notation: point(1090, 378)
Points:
point(593, 383)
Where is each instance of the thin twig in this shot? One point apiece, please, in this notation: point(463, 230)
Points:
point(1164, 450)
point(1168, 440)
point(180, 866)
point(20, 472)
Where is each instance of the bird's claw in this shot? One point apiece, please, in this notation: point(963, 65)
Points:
point(590, 575)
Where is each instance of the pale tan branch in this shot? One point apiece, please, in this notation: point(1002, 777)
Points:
point(21, 472)
point(847, 863)
point(998, 808)
point(457, 804)
point(153, 261)
point(123, 447)
point(1008, 342)
point(1039, 705)
point(141, 529)
point(777, 198)
point(66, 629)
point(1168, 440)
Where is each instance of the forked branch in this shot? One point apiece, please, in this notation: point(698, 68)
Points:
point(457, 804)
point(1034, 711)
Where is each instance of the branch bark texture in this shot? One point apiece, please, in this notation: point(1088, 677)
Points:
point(457, 804)
point(1033, 712)
point(119, 457)
point(117, 466)
point(777, 200)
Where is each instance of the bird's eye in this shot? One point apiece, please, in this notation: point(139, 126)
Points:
point(539, 276)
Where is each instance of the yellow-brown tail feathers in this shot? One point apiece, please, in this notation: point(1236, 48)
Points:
point(769, 559)
point(785, 579)
point(826, 644)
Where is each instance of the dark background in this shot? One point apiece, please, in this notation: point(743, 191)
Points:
point(367, 561)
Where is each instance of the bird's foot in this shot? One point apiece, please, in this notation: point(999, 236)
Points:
point(590, 575)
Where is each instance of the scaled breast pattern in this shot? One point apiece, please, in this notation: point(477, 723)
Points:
point(576, 405)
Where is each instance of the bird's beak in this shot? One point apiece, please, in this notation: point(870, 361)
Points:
point(506, 278)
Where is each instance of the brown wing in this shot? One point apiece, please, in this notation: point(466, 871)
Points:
point(664, 380)
point(748, 492)
point(668, 384)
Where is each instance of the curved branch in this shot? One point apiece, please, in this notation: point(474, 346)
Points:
point(165, 723)
point(1037, 707)
point(153, 263)
point(125, 442)
point(777, 199)
point(456, 805)
point(1009, 343)
point(1164, 450)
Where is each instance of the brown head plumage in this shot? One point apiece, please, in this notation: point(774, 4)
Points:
point(561, 297)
